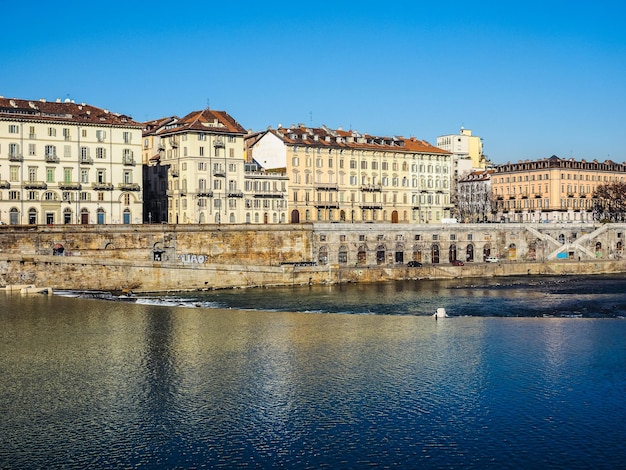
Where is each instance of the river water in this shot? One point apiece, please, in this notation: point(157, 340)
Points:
point(526, 373)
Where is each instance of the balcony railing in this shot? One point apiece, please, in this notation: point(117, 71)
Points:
point(235, 194)
point(52, 159)
point(70, 185)
point(129, 187)
point(128, 160)
point(35, 185)
point(86, 160)
point(371, 187)
point(103, 186)
point(15, 157)
point(4, 184)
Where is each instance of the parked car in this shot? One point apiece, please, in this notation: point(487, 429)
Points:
point(414, 264)
point(457, 262)
point(492, 259)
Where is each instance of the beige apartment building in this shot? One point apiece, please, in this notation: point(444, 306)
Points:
point(196, 172)
point(346, 176)
point(552, 189)
point(63, 162)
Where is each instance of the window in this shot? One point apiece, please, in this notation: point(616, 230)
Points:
point(84, 176)
point(49, 175)
point(127, 136)
point(52, 132)
point(101, 176)
point(14, 129)
point(101, 152)
point(128, 177)
point(50, 151)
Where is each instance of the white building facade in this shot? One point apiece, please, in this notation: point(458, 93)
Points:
point(67, 163)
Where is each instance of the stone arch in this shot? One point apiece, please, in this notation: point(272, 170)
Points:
point(434, 253)
point(342, 255)
point(512, 251)
point(469, 253)
point(380, 254)
point(452, 253)
point(361, 256)
point(322, 257)
point(295, 216)
point(399, 259)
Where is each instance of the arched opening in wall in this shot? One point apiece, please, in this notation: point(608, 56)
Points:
point(217, 218)
point(84, 216)
point(201, 218)
point(126, 216)
point(109, 246)
point(434, 255)
point(469, 253)
point(32, 216)
point(380, 254)
point(486, 251)
point(67, 216)
point(100, 216)
point(532, 251)
point(282, 218)
point(561, 239)
point(232, 218)
point(14, 216)
point(266, 218)
point(247, 217)
point(452, 253)
point(399, 253)
point(361, 255)
point(256, 218)
point(598, 250)
point(619, 248)
point(295, 216)
point(394, 217)
point(307, 215)
point(352, 215)
point(274, 217)
point(512, 251)
point(322, 257)
point(342, 216)
point(342, 256)
point(417, 254)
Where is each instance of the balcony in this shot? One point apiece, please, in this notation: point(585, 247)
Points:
point(174, 172)
point(128, 160)
point(328, 205)
point(219, 174)
point(129, 187)
point(538, 195)
point(371, 188)
point(5, 184)
point(35, 185)
point(173, 142)
point(235, 194)
point(70, 185)
point(52, 159)
point(16, 157)
point(102, 186)
point(218, 144)
point(86, 161)
point(204, 193)
point(326, 187)
point(269, 194)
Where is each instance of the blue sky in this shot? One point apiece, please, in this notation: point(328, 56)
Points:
point(533, 79)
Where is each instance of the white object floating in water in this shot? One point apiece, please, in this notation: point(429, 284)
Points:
point(440, 313)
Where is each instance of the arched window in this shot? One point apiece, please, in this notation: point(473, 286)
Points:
point(361, 257)
point(342, 256)
point(512, 251)
point(435, 254)
point(322, 258)
point(469, 253)
point(380, 254)
point(452, 253)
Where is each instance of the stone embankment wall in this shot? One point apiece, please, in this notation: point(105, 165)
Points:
point(169, 257)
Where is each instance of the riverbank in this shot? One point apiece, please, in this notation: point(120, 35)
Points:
point(180, 258)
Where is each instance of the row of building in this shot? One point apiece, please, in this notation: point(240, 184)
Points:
point(62, 162)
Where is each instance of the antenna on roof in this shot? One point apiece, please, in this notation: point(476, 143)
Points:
point(311, 118)
point(208, 103)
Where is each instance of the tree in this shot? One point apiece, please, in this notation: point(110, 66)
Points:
point(609, 202)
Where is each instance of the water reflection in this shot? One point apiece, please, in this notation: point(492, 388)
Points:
point(116, 385)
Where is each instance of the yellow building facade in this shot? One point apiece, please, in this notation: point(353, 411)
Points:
point(552, 189)
point(346, 176)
